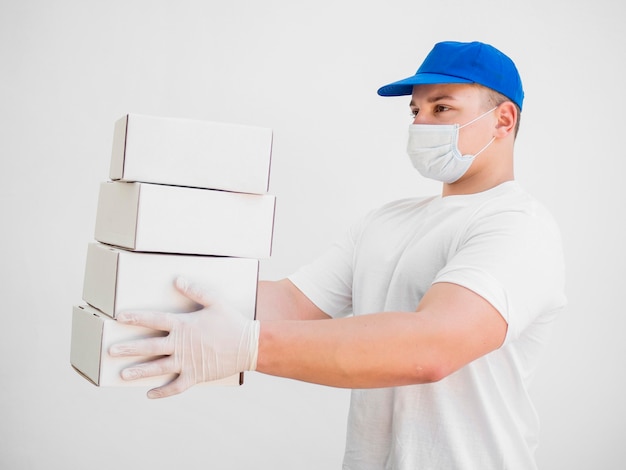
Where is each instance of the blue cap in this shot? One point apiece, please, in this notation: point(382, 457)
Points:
point(464, 62)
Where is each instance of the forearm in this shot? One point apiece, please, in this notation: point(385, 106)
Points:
point(451, 327)
point(368, 351)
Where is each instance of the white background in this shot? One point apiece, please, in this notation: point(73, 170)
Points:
point(308, 70)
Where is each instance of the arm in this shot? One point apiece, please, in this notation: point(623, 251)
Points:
point(451, 327)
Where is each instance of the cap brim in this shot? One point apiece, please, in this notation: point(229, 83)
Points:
point(405, 86)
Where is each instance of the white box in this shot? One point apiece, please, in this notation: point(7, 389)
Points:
point(93, 333)
point(187, 152)
point(172, 219)
point(117, 280)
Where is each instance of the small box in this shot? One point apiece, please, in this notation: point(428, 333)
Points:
point(93, 333)
point(117, 280)
point(171, 219)
point(187, 152)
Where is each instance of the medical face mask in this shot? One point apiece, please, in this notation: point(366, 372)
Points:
point(434, 152)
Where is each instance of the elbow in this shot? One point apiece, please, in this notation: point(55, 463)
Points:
point(434, 363)
point(429, 373)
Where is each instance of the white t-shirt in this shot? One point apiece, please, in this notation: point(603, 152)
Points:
point(501, 244)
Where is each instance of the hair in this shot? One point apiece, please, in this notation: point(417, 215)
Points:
point(495, 98)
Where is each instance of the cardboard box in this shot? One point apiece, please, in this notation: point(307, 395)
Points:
point(171, 219)
point(117, 280)
point(187, 152)
point(93, 333)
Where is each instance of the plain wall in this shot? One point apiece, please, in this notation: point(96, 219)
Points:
point(308, 70)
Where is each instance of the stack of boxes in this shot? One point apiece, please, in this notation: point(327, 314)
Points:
point(185, 198)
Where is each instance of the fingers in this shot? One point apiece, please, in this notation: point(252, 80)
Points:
point(154, 320)
point(193, 291)
point(175, 387)
point(159, 346)
point(181, 352)
point(162, 366)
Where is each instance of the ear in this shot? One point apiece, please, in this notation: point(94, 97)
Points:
point(507, 118)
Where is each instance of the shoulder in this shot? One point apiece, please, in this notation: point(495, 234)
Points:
point(517, 229)
point(510, 202)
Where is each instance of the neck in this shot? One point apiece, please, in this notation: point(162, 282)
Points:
point(487, 171)
point(473, 187)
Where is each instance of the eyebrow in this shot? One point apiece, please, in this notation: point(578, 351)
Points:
point(434, 99)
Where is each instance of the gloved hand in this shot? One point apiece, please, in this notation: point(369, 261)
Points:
point(209, 344)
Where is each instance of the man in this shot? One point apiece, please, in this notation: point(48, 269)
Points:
point(451, 298)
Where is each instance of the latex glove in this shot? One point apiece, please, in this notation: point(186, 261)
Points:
point(209, 344)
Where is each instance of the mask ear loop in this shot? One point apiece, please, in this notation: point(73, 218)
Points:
point(476, 119)
point(485, 147)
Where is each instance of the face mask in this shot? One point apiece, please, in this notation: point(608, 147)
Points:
point(434, 152)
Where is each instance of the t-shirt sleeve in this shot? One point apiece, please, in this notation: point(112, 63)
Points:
point(513, 260)
point(327, 281)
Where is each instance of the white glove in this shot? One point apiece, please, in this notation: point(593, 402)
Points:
point(209, 344)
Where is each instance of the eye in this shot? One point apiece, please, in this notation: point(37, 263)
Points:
point(440, 108)
point(414, 112)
